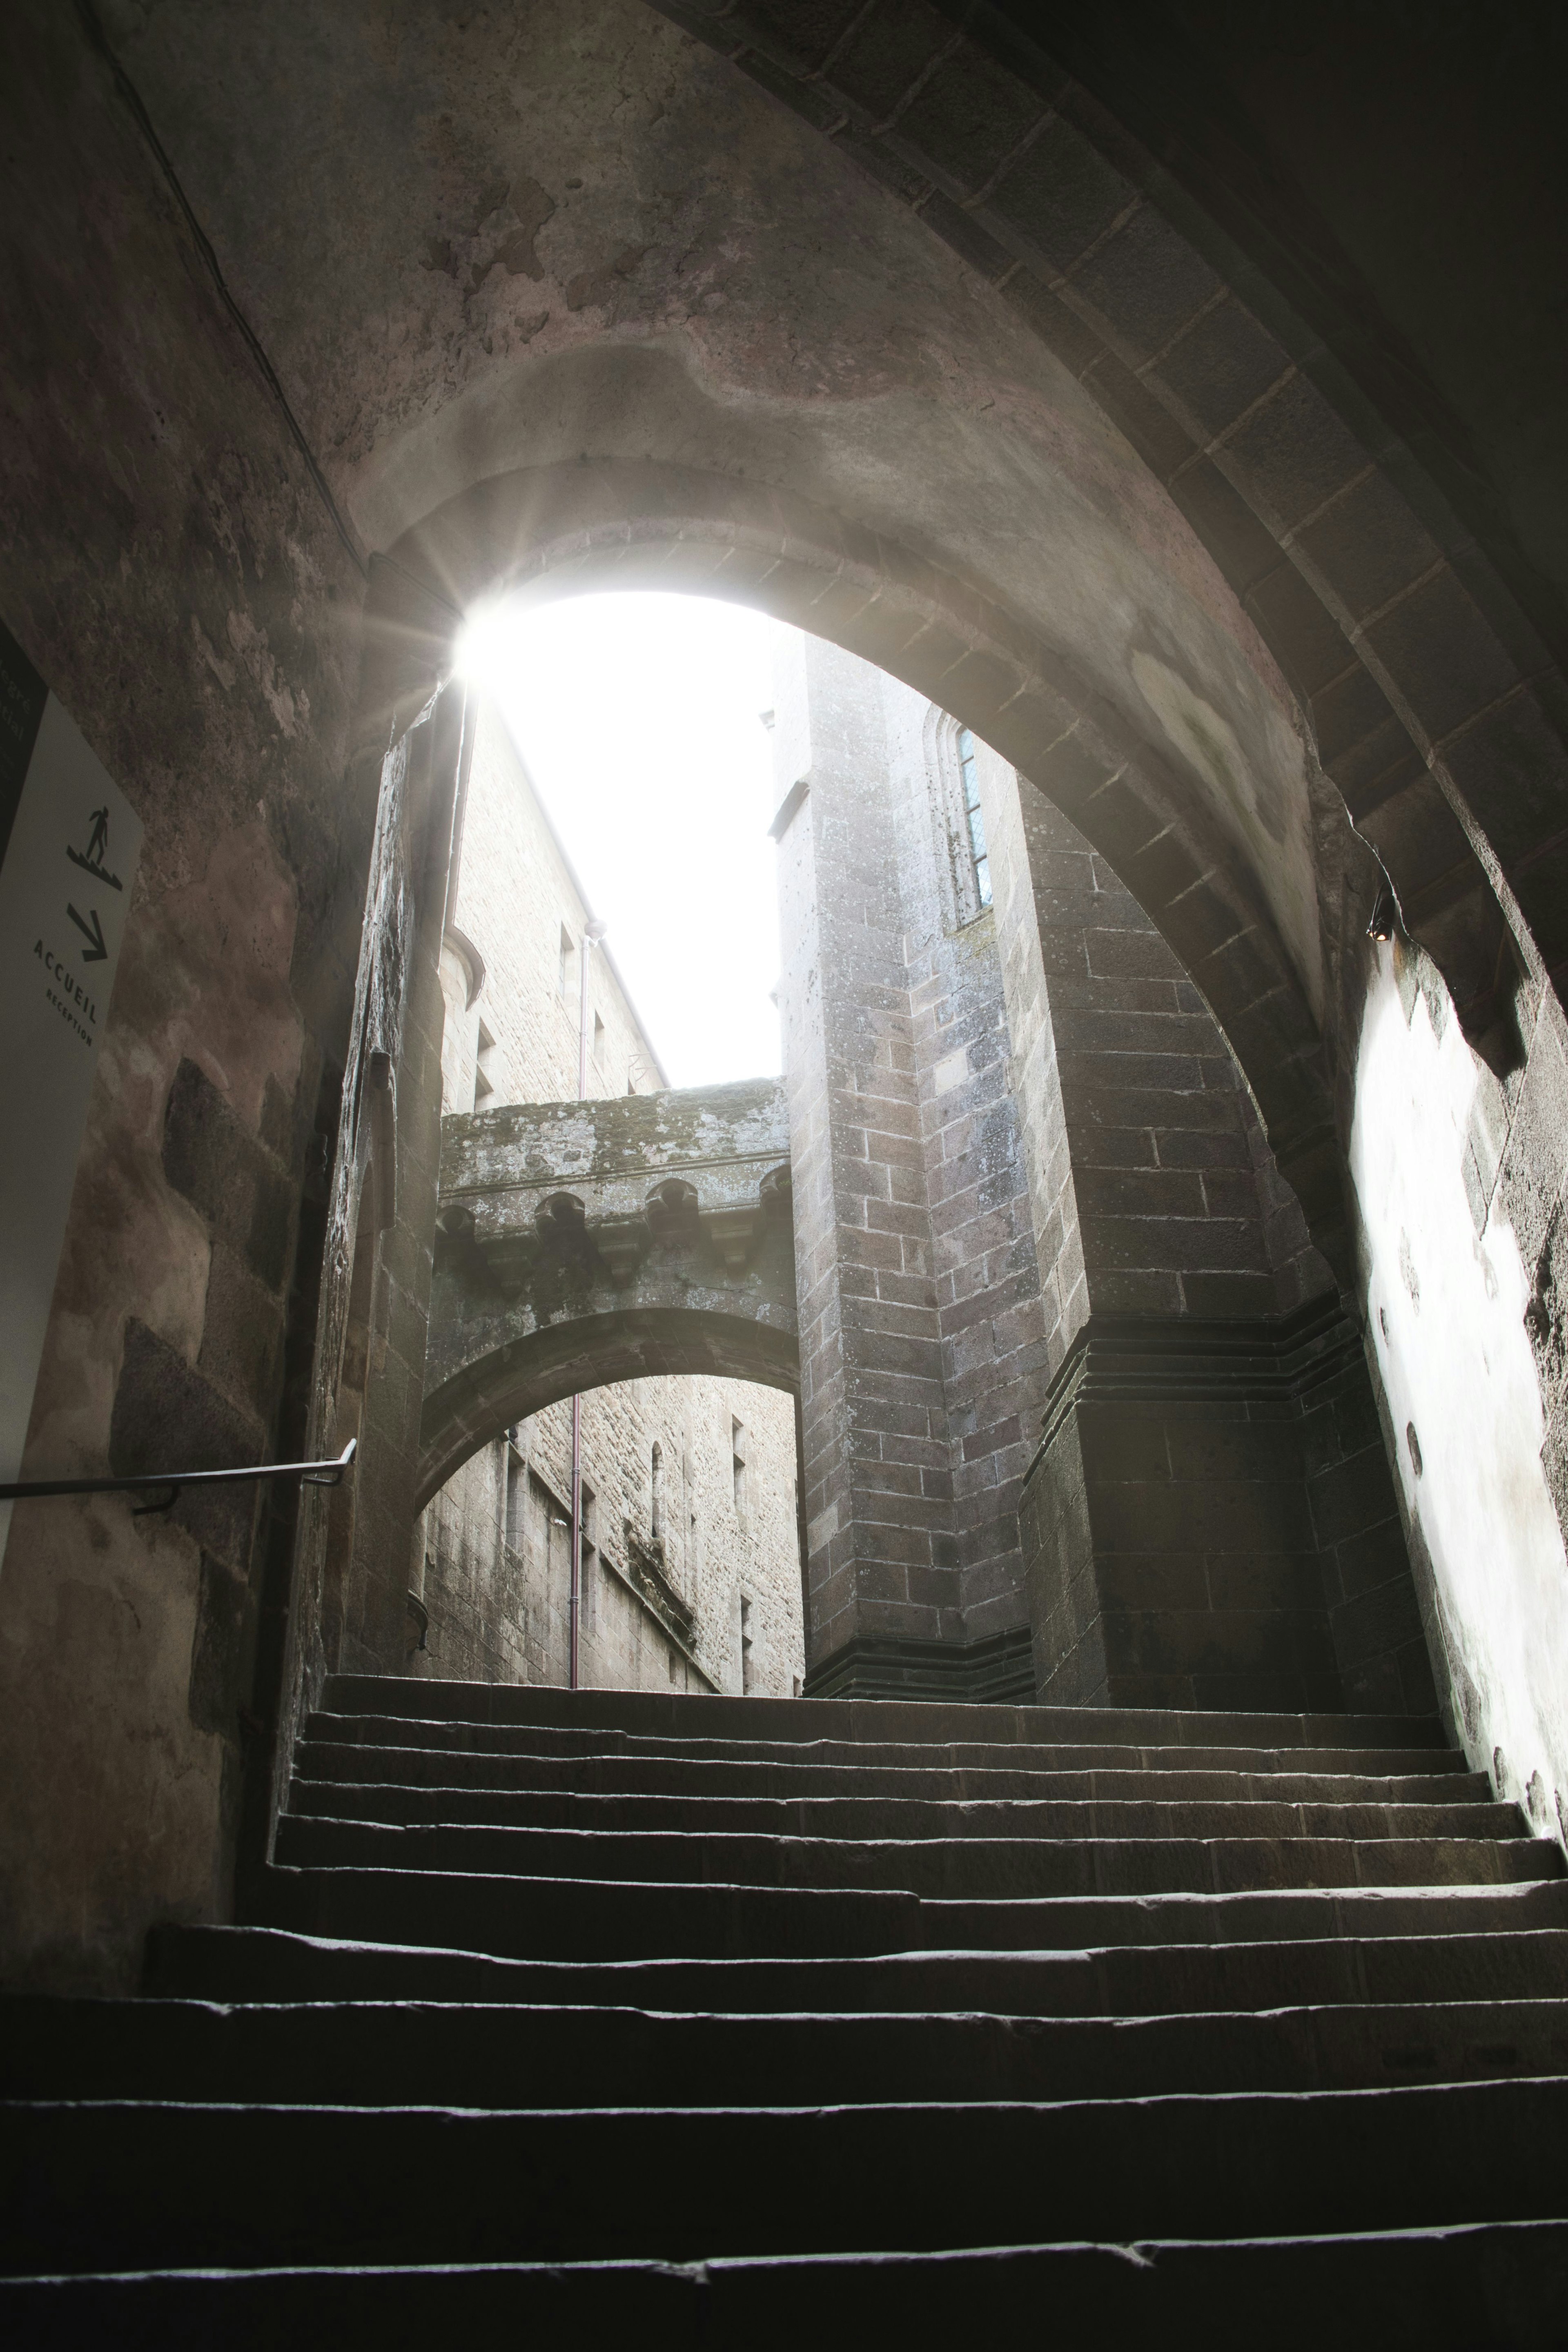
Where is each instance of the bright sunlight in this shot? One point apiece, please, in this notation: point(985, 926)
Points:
point(639, 719)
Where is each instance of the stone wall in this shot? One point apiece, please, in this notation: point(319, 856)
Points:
point(1209, 1518)
point(517, 897)
point(1127, 1406)
point(659, 1611)
point(170, 565)
point(661, 1608)
point(923, 1362)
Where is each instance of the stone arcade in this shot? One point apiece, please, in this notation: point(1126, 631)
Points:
point(1150, 422)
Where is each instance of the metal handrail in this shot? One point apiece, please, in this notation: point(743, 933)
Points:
point(310, 1474)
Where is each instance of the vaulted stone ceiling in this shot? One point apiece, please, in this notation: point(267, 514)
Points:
point(475, 241)
point(517, 268)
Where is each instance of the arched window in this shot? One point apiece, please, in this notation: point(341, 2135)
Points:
point(975, 822)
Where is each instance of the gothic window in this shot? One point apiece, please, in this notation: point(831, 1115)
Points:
point(974, 820)
point(952, 760)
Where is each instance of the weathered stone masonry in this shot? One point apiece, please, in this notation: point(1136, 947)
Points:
point(1209, 1517)
point(634, 1248)
point(921, 1356)
point(1124, 1330)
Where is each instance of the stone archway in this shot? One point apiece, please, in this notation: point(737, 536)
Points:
point(1142, 217)
point(1187, 844)
point(585, 1244)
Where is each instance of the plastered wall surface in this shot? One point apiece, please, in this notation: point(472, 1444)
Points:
point(498, 1609)
point(1449, 1305)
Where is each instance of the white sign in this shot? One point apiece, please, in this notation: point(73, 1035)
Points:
point(68, 844)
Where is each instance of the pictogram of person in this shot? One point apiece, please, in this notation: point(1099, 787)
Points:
point(99, 841)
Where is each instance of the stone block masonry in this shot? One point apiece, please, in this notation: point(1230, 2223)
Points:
point(1081, 1410)
point(691, 1576)
point(670, 1554)
point(1210, 1522)
point(1209, 1519)
point(923, 1356)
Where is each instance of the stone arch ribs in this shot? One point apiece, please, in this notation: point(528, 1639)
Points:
point(635, 524)
point(1431, 695)
point(583, 1244)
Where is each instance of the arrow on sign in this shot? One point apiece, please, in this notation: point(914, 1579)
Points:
point(92, 931)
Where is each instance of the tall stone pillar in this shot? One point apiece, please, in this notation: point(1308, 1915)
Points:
point(922, 1356)
point(1208, 1517)
point(392, 1108)
point(354, 1563)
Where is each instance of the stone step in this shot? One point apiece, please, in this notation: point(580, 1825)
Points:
point(101, 2186)
point(879, 1817)
point(584, 1919)
point(1074, 1750)
point(681, 1716)
point(410, 2053)
point(940, 1867)
point(1502, 2283)
point(343, 1763)
point(1476, 1964)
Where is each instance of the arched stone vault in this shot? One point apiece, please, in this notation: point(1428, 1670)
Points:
point(1229, 340)
point(633, 524)
point(1049, 463)
point(582, 1245)
point(1006, 377)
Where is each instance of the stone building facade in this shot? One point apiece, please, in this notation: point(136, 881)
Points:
point(1082, 1415)
point(691, 1576)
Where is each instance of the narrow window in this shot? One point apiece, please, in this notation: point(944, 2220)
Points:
point(973, 819)
point(746, 1669)
point(568, 962)
point(599, 1041)
point(738, 1467)
point(658, 1481)
point(484, 1067)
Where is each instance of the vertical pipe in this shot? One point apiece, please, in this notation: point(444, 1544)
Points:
point(592, 932)
point(575, 1605)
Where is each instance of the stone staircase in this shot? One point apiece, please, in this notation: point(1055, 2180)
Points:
point(725, 2020)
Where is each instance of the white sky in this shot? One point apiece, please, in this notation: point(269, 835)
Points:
point(638, 718)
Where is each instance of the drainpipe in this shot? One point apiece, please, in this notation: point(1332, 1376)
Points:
point(591, 933)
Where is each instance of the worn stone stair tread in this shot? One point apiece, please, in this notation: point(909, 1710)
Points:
point(253, 1964)
point(166, 2183)
point(436, 1735)
point(344, 1763)
point(396, 1804)
point(514, 2056)
point(536, 1917)
point(817, 1977)
point(925, 1720)
point(1504, 2282)
point(925, 1723)
point(930, 1867)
